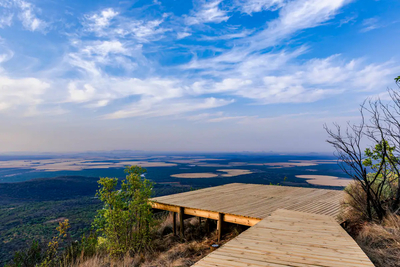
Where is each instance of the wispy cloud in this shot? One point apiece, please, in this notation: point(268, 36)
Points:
point(112, 24)
point(348, 20)
point(112, 62)
point(98, 22)
point(6, 19)
point(25, 92)
point(207, 12)
point(28, 16)
point(252, 6)
point(154, 108)
point(25, 11)
point(370, 24)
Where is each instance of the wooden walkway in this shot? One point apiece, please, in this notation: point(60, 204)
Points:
point(290, 238)
point(247, 204)
point(291, 226)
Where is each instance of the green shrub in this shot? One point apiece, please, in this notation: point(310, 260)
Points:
point(126, 219)
point(80, 250)
point(28, 258)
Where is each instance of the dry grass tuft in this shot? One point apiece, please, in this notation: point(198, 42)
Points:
point(381, 242)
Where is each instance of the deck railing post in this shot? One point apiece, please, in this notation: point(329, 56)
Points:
point(219, 225)
point(182, 229)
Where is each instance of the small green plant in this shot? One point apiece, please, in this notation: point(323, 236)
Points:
point(126, 219)
point(80, 250)
point(53, 258)
point(35, 256)
point(28, 258)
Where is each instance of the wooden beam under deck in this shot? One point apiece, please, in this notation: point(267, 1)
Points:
point(229, 218)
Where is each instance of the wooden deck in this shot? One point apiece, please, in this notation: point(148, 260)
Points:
point(291, 226)
point(290, 238)
point(247, 204)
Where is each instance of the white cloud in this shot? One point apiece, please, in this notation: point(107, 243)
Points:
point(207, 12)
point(98, 22)
point(112, 24)
point(26, 12)
point(81, 95)
point(110, 39)
point(370, 24)
point(28, 17)
point(295, 16)
point(109, 62)
point(349, 19)
point(154, 108)
point(252, 6)
point(228, 36)
point(273, 78)
point(92, 57)
point(181, 35)
point(104, 48)
point(21, 93)
point(216, 117)
point(6, 20)
point(100, 91)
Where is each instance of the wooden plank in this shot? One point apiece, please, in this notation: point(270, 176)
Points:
point(255, 201)
point(290, 238)
point(292, 226)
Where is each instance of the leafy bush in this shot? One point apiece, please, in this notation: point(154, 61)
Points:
point(354, 206)
point(28, 258)
point(126, 219)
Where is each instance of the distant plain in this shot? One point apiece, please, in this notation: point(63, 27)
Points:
point(182, 169)
point(36, 192)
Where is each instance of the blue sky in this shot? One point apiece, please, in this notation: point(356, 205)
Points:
point(180, 75)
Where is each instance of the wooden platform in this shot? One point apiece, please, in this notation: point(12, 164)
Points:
point(247, 204)
point(290, 238)
point(291, 226)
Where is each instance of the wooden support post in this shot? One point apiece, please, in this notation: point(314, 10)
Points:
point(199, 221)
point(219, 225)
point(174, 222)
point(182, 229)
point(207, 225)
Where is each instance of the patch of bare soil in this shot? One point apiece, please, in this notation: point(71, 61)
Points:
point(325, 180)
point(195, 175)
point(61, 219)
point(234, 172)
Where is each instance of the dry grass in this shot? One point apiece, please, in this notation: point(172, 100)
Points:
point(381, 242)
point(169, 250)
